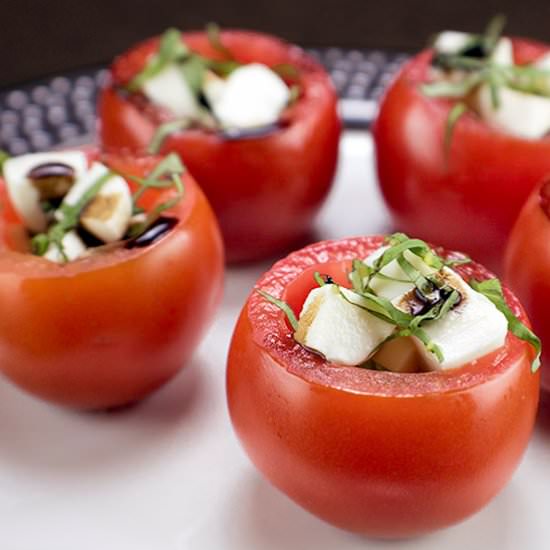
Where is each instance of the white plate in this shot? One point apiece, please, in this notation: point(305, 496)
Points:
point(169, 473)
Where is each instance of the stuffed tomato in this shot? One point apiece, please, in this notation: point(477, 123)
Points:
point(384, 388)
point(253, 118)
point(111, 270)
point(527, 266)
point(461, 139)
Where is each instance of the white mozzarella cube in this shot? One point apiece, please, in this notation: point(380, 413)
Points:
point(391, 289)
point(24, 196)
point(213, 87)
point(73, 248)
point(108, 214)
point(253, 96)
point(451, 42)
point(170, 90)
point(519, 113)
point(469, 331)
point(342, 332)
point(400, 355)
point(503, 54)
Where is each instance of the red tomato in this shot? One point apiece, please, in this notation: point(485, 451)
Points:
point(379, 453)
point(527, 267)
point(265, 191)
point(109, 329)
point(475, 193)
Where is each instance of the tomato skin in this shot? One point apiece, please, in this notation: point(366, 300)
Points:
point(107, 330)
point(265, 191)
point(477, 191)
point(527, 271)
point(378, 453)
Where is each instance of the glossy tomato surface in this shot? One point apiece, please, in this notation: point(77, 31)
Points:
point(379, 453)
point(109, 329)
point(527, 267)
point(265, 190)
point(469, 199)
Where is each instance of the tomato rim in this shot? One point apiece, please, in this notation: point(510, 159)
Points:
point(309, 71)
point(38, 267)
point(275, 338)
point(415, 72)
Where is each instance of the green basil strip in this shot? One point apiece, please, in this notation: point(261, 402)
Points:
point(455, 114)
point(283, 306)
point(4, 156)
point(492, 289)
point(171, 49)
point(165, 130)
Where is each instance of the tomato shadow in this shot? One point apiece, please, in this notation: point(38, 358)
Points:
point(543, 415)
point(46, 439)
point(265, 518)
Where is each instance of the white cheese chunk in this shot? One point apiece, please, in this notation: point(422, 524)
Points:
point(170, 90)
point(213, 87)
point(451, 42)
point(253, 96)
point(340, 331)
point(73, 248)
point(503, 53)
point(520, 114)
point(469, 331)
point(400, 355)
point(108, 214)
point(391, 289)
point(24, 196)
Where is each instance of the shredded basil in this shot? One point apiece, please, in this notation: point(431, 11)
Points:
point(492, 289)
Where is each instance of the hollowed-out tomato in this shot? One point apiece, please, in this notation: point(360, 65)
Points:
point(468, 198)
point(264, 190)
point(379, 453)
point(527, 267)
point(108, 329)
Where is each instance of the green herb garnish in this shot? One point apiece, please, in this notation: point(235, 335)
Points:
point(283, 306)
point(171, 49)
point(476, 67)
point(409, 324)
point(4, 156)
point(492, 289)
point(166, 174)
point(165, 130)
point(214, 37)
point(69, 220)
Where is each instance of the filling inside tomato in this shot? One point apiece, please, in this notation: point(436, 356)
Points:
point(479, 73)
point(67, 207)
point(402, 309)
point(180, 88)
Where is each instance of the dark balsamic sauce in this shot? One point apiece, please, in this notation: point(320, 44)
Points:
point(423, 303)
point(231, 134)
point(51, 170)
point(327, 279)
point(544, 198)
point(160, 227)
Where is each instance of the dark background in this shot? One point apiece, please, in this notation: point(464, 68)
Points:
point(38, 38)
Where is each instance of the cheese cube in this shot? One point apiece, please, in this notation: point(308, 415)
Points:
point(392, 289)
point(451, 42)
point(170, 90)
point(339, 330)
point(519, 113)
point(24, 195)
point(469, 331)
point(253, 96)
point(107, 215)
point(73, 248)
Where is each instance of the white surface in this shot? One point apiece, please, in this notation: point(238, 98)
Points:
point(169, 473)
